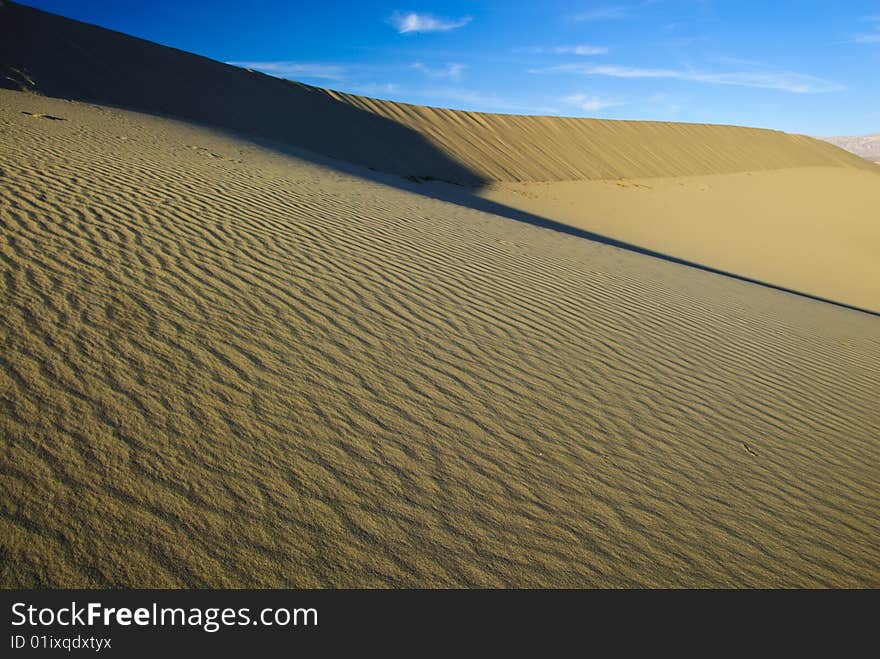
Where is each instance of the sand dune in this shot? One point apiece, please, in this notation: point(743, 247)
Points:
point(227, 366)
point(94, 64)
point(526, 148)
point(249, 342)
point(814, 230)
point(802, 231)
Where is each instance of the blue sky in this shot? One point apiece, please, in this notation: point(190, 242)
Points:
point(805, 66)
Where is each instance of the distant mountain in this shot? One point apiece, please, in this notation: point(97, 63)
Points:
point(866, 146)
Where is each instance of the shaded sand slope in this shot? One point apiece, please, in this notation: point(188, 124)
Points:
point(59, 57)
point(68, 59)
point(226, 366)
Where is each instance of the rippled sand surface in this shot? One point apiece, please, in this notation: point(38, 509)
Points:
point(226, 366)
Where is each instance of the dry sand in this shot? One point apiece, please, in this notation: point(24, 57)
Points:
point(499, 147)
point(231, 362)
point(226, 366)
point(813, 232)
point(810, 229)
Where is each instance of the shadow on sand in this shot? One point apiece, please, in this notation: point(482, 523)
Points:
point(468, 196)
point(91, 64)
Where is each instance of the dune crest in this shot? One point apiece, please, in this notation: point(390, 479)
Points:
point(516, 148)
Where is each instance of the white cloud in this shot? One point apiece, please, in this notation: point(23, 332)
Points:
point(284, 69)
point(590, 103)
point(602, 14)
point(478, 101)
point(375, 89)
point(616, 12)
point(582, 49)
point(412, 22)
point(451, 71)
point(665, 102)
point(739, 61)
point(873, 37)
point(796, 83)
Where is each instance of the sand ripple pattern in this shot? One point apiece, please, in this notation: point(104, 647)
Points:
point(509, 147)
point(223, 366)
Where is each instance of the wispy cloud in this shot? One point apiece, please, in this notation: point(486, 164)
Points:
point(609, 13)
point(870, 37)
point(285, 69)
point(740, 61)
point(374, 89)
point(451, 71)
point(582, 49)
point(665, 102)
point(579, 49)
point(797, 83)
point(614, 12)
point(590, 103)
point(412, 22)
point(478, 101)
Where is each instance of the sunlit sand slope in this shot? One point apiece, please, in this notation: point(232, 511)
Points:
point(223, 366)
point(525, 148)
point(815, 230)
